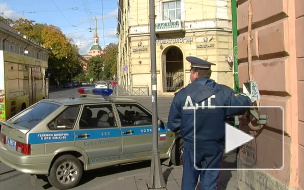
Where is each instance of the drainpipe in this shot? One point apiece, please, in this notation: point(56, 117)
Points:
point(235, 49)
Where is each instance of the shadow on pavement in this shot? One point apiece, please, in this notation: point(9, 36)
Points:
point(107, 171)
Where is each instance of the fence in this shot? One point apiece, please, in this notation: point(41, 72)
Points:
point(132, 90)
point(174, 81)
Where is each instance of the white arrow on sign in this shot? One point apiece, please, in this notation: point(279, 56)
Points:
point(235, 138)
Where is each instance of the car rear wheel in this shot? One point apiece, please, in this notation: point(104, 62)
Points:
point(177, 152)
point(66, 172)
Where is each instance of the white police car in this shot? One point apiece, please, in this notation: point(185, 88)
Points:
point(62, 137)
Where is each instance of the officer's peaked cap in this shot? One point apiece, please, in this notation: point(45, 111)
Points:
point(199, 63)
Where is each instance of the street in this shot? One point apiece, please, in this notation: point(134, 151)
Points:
point(119, 176)
point(94, 179)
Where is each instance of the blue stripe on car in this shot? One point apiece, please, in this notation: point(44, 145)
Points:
point(50, 137)
point(65, 136)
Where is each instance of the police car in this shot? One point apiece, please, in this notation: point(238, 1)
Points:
point(61, 138)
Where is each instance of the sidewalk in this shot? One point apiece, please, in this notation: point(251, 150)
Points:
point(173, 178)
point(172, 174)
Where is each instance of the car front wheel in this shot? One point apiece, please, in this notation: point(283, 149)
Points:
point(65, 172)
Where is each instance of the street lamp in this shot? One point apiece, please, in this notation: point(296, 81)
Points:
point(156, 176)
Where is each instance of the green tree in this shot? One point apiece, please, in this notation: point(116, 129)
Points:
point(110, 60)
point(64, 64)
point(27, 27)
point(24, 26)
point(37, 31)
point(7, 21)
point(96, 68)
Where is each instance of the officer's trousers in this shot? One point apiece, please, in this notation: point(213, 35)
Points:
point(210, 157)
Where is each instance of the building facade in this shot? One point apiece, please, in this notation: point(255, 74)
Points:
point(183, 28)
point(277, 67)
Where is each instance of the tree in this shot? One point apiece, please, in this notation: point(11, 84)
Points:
point(24, 26)
point(63, 61)
point(110, 60)
point(27, 27)
point(96, 68)
point(54, 39)
point(37, 32)
point(7, 21)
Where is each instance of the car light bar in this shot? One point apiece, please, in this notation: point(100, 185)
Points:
point(96, 91)
point(103, 92)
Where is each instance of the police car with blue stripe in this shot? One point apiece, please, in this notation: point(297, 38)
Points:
point(61, 138)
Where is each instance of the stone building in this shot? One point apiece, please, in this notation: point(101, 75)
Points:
point(183, 28)
point(277, 65)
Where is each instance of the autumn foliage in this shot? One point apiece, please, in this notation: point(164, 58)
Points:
point(64, 63)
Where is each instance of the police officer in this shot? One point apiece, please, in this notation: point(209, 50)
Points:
point(193, 111)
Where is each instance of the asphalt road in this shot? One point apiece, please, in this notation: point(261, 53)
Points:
point(11, 179)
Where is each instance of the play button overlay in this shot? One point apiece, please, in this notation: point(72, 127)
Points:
point(235, 138)
point(244, 147)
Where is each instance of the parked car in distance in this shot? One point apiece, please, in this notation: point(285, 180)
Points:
point(67, 85)
point(75, 84)
point(60, 138)
point(101, 84)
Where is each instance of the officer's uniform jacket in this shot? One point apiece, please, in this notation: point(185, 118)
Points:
point(195, 107)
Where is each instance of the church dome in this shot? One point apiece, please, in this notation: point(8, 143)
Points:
point(96, 47)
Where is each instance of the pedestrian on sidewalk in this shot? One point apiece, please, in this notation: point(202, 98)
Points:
point(114, 86)
point(198, 99)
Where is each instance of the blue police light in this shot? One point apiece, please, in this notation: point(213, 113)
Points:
point(96, 91)
point(102, 92)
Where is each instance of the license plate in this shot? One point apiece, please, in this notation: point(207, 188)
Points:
point(11, 142)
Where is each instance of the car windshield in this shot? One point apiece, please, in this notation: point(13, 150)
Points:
point(29, 118)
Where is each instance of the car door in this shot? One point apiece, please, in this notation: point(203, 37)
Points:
point(98, 134)
point(136, 128)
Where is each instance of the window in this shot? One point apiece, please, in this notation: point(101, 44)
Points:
point(65, 120)
point(34, 115)
point(133, 115)
point(171, 10)
point(97, 116)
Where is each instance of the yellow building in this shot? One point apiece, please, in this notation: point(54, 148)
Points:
point(183, 28)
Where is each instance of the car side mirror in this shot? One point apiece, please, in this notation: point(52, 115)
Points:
point(161, 123)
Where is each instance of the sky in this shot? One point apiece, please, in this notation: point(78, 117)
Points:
point(75, 18)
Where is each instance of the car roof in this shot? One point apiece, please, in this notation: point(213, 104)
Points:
point(89, 99)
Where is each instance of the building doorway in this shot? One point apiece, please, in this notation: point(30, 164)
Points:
point(173, 69)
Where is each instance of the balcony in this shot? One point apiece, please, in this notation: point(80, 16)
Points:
point(165, 26)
